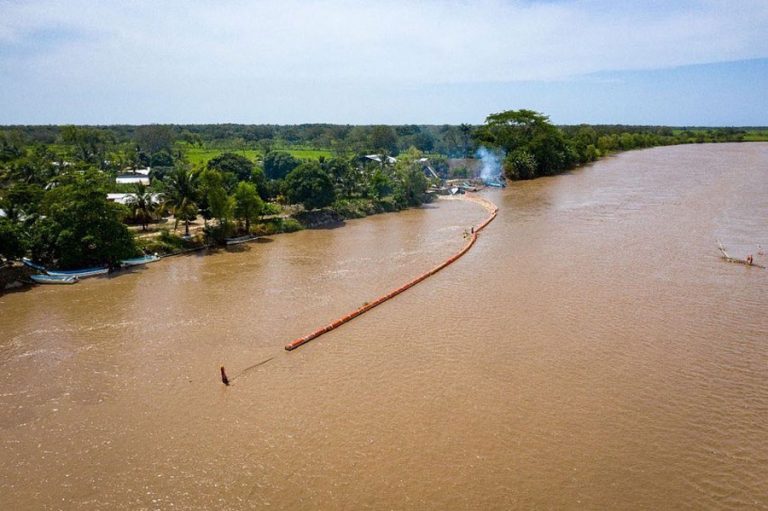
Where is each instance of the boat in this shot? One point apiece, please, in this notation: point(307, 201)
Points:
point(496, 182)
point(53, 279)
point(81, 274)
point(137, 261)
point(240, 239)
point(29, 262)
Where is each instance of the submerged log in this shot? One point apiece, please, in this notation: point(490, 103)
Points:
point(746, 262)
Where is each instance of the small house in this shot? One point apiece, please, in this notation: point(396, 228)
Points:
point(132, 179)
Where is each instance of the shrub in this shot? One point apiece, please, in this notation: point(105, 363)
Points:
point(165, 243)
point(277, 225)
point(217, 233)
point(170, 239)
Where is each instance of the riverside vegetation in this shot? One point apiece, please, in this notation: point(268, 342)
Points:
point(246, 179)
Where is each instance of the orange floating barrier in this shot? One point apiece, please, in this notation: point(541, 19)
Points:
point(491, 207)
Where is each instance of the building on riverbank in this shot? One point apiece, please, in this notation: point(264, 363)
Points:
point(132, 179)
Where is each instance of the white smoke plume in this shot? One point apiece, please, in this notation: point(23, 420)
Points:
point(490, 172)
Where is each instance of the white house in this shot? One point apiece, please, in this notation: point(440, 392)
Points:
point(143, 172)
point(124, 198)
point(377, 157)
point(131, 179)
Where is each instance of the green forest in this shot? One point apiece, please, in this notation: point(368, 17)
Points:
point(78, 196)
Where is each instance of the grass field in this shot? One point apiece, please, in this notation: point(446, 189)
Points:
point(201, 155)
point(756, 136)
point(309, 154)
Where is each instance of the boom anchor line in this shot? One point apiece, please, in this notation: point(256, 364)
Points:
point(490, 206)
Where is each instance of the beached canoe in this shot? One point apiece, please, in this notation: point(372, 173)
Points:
point(240, 239)
point(81, 274)
point(136, 261)
point(29, 262)
point(52, 279)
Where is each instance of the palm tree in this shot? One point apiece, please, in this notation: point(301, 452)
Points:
point(181, 195)
point(142, 205)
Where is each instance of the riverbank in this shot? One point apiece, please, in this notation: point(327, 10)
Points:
point(14, 277)
point(165, 243)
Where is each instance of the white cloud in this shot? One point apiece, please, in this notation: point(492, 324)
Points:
point(400, 41)
point(239, 48)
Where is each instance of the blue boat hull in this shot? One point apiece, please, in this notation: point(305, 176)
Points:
point(48, 279)
point(81, 274)
point(32, 264)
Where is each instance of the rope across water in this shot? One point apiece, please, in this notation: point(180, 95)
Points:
point(491, 207)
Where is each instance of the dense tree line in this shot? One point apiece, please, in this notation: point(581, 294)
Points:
point(54, 179)
point(450, 140)
point(151, 140)
point(532, 146)
point(54, 203)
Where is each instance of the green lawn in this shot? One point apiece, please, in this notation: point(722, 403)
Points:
point(309, 154)
point(201, 155)
point(756, 136)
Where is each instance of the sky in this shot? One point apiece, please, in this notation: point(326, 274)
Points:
point(677, 63)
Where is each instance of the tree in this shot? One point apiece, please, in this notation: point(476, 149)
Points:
point(233, 167)
point(310, 185)
point(161, 158)
point(153, 138)
point(383, 139)
point(21, 200)
point(411, 183)
point(512, 128)
point(11, 145)
point(12, 243)
point(357, 139)
point(339, 170)
point(278, 164)
point(89, 145)
point(466, 138)
point(181, 195)
point(142, 205)
point(33, 168)
point(380, 184)
point(260, 180)
point(214, 195)
point(265, 145)
point(424, 141)
point(79, 227)
point(342, 173)
point(248, 204)
point(520, 164)
point(529, 131)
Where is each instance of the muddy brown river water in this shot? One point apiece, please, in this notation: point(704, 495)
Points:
point(590, 352)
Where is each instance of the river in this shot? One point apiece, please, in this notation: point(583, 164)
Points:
point(591, 351)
